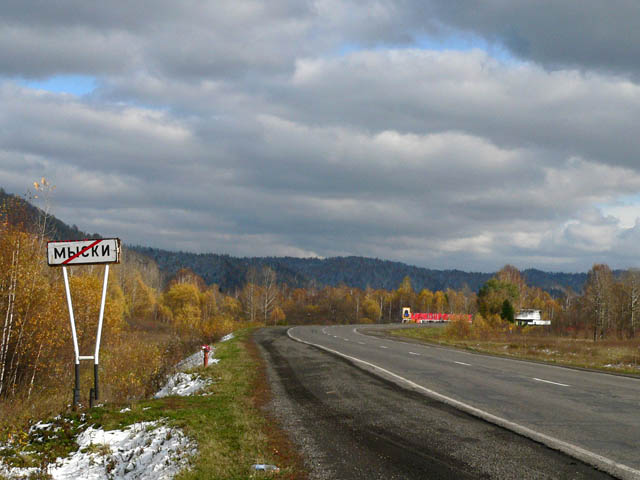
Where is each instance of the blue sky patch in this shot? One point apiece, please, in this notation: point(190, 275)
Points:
point(454, 42)
point(74, 84)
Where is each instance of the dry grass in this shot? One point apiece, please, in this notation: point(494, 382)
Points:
point(229, 426)
point(622, 356)
point(133, 364)
point(227, 422)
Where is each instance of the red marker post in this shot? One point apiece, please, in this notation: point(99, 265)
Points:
point(205, 350)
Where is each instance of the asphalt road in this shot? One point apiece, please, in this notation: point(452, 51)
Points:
point(593, 416)
point(352, 423)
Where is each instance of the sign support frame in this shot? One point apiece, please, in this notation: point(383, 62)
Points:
point(76, 389)
point(94, 393)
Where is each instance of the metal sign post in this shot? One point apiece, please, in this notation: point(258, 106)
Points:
point(85, 252)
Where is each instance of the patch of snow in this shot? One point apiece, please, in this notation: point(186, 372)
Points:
point(227, 337)
point(549, 352)
point(622, 365)
point(195, 360)
point(263, 467)
point(125, 410)
point(182, 384)
point(14, 472)
point(145, 450)
point(40, 426)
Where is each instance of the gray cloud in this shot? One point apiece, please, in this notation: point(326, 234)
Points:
point(255, 129)
point(188, 40)
point(586, 34)
point(566, 111)
point(224, 38)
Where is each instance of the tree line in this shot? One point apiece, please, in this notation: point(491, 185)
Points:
point(150, 322)
point(229, 273)
point(608, 306)
point(172, 314)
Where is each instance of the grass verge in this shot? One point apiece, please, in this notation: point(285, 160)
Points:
point(226, 420)
point(618, 356)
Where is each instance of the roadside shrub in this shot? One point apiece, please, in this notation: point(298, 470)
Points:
point(217, 327)
point(458, 328)
point(488, 327)
point(480, 327)
point(130, 370)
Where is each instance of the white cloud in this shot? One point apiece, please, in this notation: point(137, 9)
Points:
point(236, 127)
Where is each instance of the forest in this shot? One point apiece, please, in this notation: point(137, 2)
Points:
point(154, 318)
point(150, 322)
point(229, 272)
point(608, 307)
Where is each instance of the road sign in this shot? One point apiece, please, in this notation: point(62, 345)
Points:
point(83, 252)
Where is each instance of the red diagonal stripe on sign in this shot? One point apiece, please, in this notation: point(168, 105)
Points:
point(81, 252)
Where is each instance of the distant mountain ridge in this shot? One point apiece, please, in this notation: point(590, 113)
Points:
point(230, 272)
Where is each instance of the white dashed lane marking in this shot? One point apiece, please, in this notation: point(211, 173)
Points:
point(609, 465)
point(549, 381)
point(462, 363)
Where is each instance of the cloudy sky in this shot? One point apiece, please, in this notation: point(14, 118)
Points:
point(446, 134)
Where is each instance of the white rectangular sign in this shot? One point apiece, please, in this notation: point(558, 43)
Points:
point(83, 252)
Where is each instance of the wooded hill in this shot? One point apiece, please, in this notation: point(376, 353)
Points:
point(229, 273)
point(30, 214)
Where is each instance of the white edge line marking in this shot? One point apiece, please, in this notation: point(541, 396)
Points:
point(609, 466)
point(462, 363)
point(549, 381)
point(508, 359)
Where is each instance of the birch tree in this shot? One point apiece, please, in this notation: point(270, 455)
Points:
point(269, 292)
point(249, 295)
point(631, 285)
point(597, 295)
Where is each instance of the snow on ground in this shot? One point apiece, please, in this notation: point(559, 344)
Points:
point(196, 360)
point(145, 450)
point(227, 337)
point(182, 384)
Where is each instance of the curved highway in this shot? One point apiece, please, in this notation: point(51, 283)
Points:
point(592, 416)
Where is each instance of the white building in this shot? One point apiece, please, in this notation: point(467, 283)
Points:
point(530, 317)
